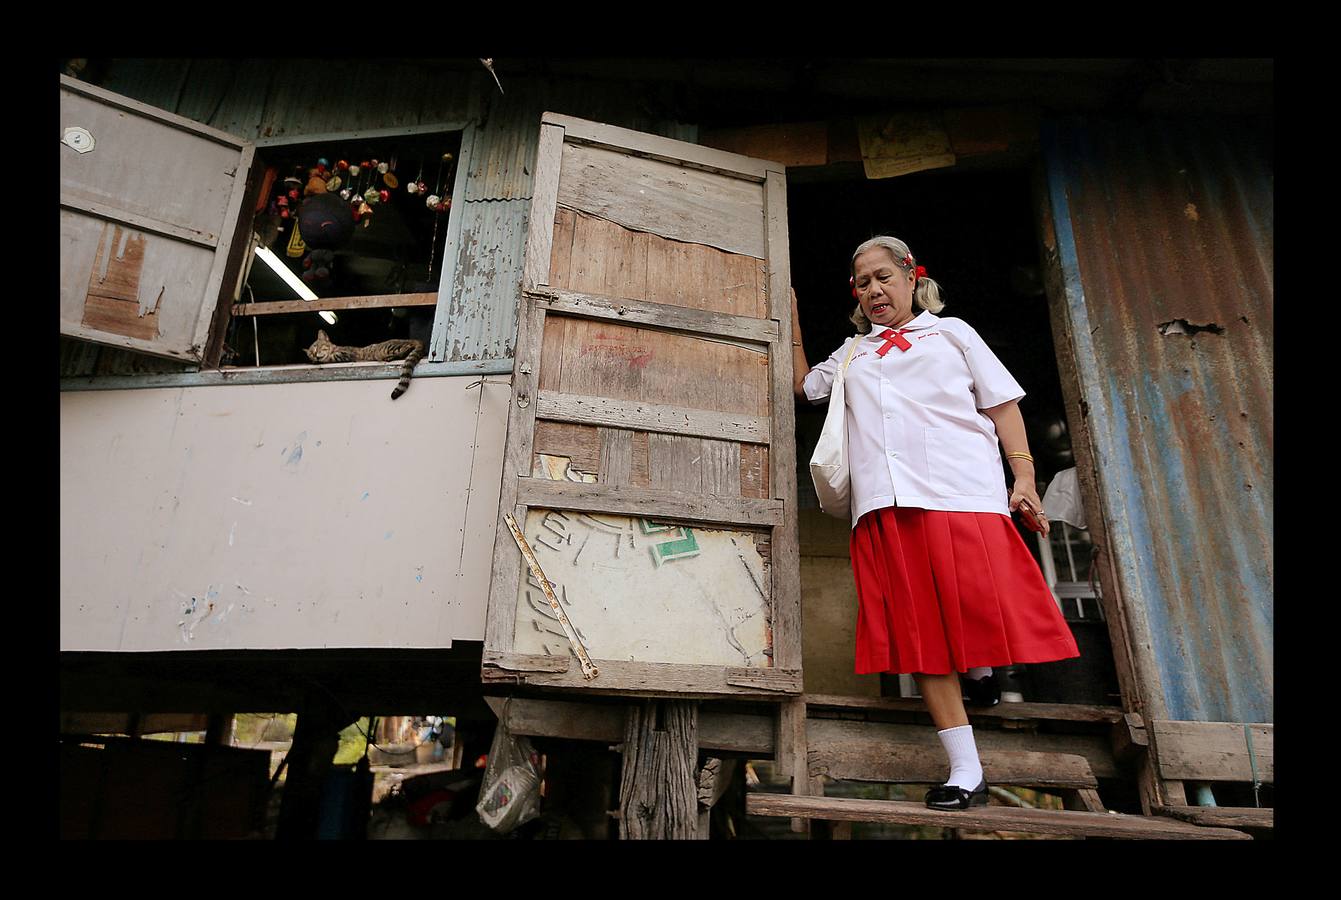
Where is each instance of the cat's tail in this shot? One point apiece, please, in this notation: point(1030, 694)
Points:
point(410, 362)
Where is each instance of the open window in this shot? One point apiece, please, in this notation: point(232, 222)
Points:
point(347, 235)
point(185, 243)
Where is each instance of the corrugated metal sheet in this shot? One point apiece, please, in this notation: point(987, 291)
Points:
point(500, 166)
point(482, 321)
point(1163, 222)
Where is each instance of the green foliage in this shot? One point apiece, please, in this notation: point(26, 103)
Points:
point(352, 744)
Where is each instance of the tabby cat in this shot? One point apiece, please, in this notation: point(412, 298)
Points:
point(323, 351)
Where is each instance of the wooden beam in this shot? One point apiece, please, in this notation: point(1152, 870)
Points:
point(640, 679)
point(658, 786)
point(659, 315)
point(544, 205)
point(372, 301)
point(864, 760)
point(989, 818)
point(822, 733)
point(1057, 712)
point(1214, 751)
point(140, 221)
point(652, 504)
point(652, 146)
point(1225, 816)
point(639, 416)
point(1130, 739)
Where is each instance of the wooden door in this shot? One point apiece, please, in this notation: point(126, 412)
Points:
point(650, 452)
point(151, 216)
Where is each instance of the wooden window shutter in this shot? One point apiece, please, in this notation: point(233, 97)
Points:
point(151, 225)
point(650, 452)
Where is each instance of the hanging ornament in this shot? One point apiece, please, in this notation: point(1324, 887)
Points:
point(334, 184)
point(293, 194)
point(383, 167)
point(432, 201)
point(342, 165)
point(384, 195)
point(346, 194)
point(324, 163)
point(370, 196)
point(443, 205)
point(412, 187)
point(353, 171)
point(283, 202)
point(391, 181)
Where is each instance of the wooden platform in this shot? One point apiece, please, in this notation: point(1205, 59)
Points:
point(988, 818)
point(1223, 816)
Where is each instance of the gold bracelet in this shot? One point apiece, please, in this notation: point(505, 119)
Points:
point(1019, 455)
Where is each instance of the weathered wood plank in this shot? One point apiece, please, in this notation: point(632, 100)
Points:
point(1213, 751)
point(1094, 748)
point(653, 146)
point(1060, 712)
point(585, 721)
point(658, 787)
point(375, 301)
point(544, 203)
point(754, 481)
point(647, 503)
point(626, 678)
point(1225, 816)
point(675, 463)
point(139, 221)
point(561, 253)
point(623, 362)
point(863, 760)
point(642, 416)
point(581, 444)
point(721, 468)
point(660, 315)
point(667, 199)
point(616, 466)
point(786, 553)
point(501, 613)
point(989, 818)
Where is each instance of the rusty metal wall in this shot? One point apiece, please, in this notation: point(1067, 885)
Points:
point(1165, 222)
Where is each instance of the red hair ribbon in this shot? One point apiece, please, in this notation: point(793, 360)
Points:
point(921, 272)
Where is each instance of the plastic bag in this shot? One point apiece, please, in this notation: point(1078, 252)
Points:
point(510, 795)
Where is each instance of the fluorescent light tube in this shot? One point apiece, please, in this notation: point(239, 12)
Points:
point(284, 272)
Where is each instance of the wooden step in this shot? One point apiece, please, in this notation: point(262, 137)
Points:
point(1055, 712)
point(1224, 816)
point(984, 818)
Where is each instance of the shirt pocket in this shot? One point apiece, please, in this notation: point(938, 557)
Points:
point(960, 463)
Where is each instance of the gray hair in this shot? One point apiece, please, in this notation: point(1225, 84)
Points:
point(926, 294)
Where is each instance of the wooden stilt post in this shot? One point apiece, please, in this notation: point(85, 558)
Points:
point(316, 738)
point(658, 785)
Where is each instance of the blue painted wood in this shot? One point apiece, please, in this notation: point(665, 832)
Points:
point(288, 375)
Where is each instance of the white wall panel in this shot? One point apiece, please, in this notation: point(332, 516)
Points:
point(303, 515)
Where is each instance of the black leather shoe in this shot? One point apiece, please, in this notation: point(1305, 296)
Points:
point(983, 691)
point(945, 796)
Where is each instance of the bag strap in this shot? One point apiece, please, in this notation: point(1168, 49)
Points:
point(842, 373)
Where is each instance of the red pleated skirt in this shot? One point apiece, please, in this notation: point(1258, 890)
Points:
point(945, 591)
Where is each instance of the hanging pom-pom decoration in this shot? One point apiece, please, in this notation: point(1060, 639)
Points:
point(334, 184)
point(343, 165)
point(324, 163)
point(370, 196)
point(383, 167)
point(293, 194)
point(346, 194)
point(412, 187)
point(384, 195)
point(353, 171)
point(432, 202)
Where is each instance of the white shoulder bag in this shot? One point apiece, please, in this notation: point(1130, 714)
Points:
point(828, 465)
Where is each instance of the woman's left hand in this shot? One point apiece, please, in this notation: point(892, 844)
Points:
point(1025, 490)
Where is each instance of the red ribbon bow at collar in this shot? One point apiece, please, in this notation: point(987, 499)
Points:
point(893, 338)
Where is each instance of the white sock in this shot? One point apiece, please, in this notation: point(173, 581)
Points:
point(965, 767)
point(977, 673)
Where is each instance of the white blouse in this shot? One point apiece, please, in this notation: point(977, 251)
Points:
point(915, 432)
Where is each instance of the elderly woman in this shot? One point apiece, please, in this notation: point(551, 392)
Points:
point(945, 585)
